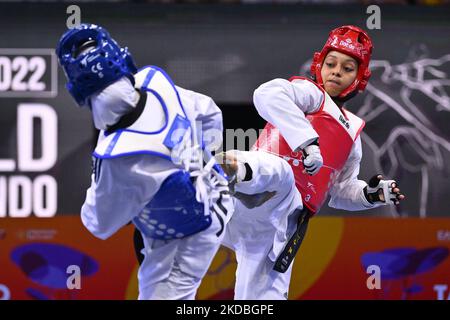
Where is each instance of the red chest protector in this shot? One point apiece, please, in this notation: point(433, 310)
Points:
point(337, 132)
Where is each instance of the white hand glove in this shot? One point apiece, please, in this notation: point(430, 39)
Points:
point(383, 191)
point(312, 159)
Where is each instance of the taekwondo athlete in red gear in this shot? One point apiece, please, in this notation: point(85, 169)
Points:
point(149, 164)
point(309, 128)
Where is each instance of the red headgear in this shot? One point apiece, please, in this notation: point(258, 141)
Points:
point(354, 42)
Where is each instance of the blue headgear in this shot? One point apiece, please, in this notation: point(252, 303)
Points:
point(96, 69)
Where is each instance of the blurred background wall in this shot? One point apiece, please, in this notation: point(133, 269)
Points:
point(226, 50)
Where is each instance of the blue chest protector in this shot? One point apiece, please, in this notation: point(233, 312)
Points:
point(162, 127)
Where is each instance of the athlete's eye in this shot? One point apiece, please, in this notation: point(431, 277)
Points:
point(347, 69)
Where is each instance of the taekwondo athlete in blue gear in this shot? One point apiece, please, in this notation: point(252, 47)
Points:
point(150, 163)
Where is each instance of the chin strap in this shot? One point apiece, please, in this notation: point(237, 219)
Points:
point(337, 100)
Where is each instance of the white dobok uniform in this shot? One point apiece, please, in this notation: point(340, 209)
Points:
point(258, 235)
point(132, 168)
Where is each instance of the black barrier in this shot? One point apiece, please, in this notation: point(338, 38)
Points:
point(231, 309)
